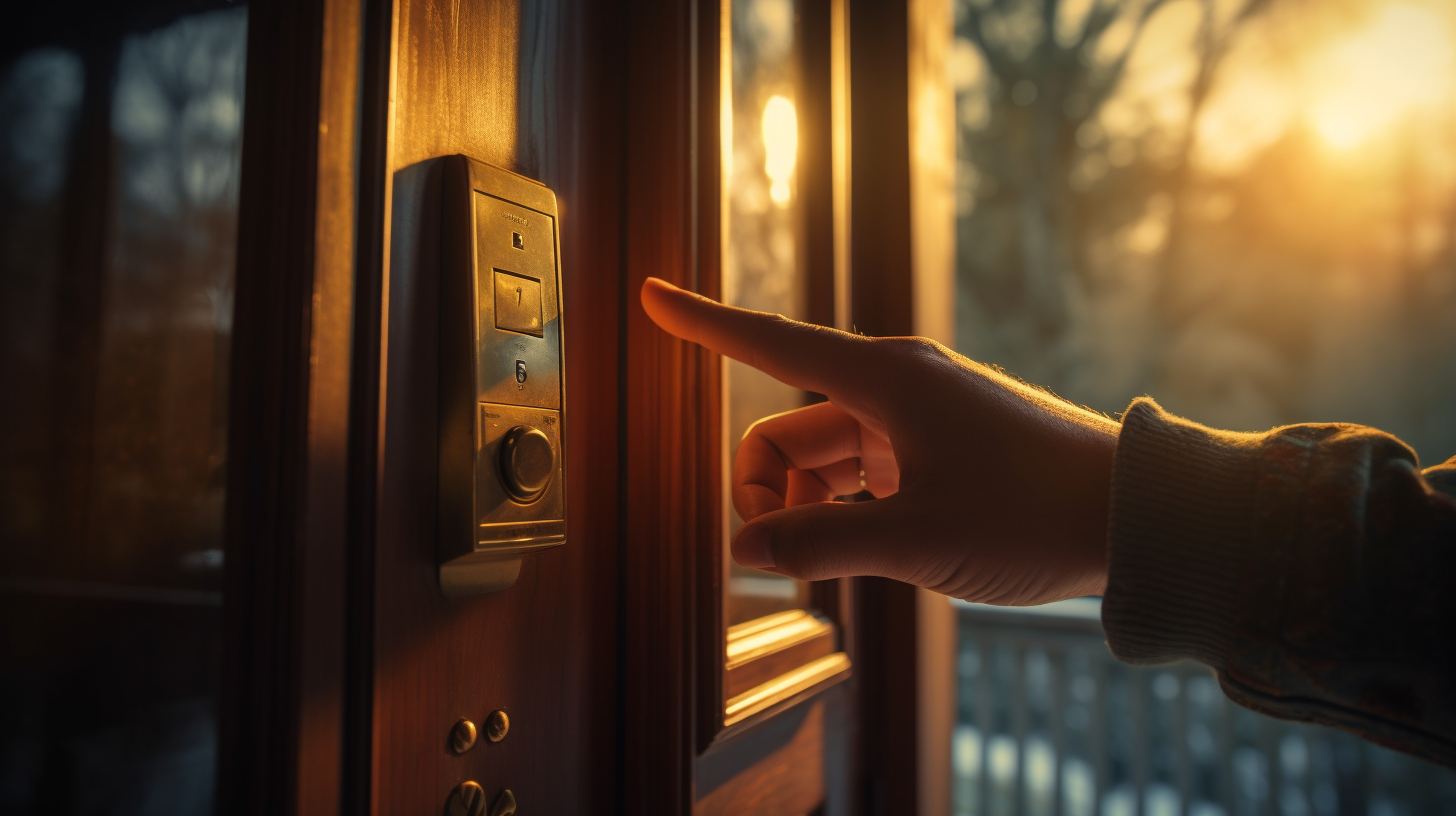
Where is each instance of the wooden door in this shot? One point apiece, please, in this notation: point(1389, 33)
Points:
point(634, 679)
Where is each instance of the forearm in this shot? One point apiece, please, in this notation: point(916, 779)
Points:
point(1307, 566)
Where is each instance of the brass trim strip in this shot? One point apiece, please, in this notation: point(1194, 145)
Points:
point(759, 624)
point(783, 687)
point(745, 646)
point(495, 536)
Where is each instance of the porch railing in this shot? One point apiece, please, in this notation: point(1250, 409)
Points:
point(1049, 723)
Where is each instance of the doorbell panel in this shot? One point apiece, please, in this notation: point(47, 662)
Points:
point(502, 406)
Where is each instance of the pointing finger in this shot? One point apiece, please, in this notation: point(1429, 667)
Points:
point(810, 357)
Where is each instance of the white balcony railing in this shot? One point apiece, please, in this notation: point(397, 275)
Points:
point(1050, 724)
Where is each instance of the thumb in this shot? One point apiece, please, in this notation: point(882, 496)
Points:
point(816, 542)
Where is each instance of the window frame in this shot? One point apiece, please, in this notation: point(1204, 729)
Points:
point(754, 670)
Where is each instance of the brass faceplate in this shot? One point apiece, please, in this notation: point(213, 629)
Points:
point(500, 369)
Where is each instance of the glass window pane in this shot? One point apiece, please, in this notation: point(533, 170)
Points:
point(1247, 211)
point(119, 152)
point(763, 256)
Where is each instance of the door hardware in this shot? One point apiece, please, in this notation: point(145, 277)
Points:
point(468, 799)
point(505, 804)
point(462, 736)
point(497, 725)
point(502, 434)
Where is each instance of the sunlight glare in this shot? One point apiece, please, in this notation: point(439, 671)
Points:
point(1401, 62)
point(781, 146)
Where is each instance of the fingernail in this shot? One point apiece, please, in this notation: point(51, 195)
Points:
point(751, 547)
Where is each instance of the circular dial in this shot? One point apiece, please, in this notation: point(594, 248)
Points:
point(527, 461)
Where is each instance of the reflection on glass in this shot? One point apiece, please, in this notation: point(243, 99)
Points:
point(119, 180)
point(763, 266)
point(780, 147)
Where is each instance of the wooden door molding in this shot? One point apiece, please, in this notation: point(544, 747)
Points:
point(778, 658)
point(376, 92)
point(669, 411)
point(282, 702)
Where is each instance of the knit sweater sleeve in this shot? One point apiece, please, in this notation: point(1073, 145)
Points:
point(1310, 566)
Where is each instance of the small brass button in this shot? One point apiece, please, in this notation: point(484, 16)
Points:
point(527, 462)
point(468, 799)
point(497, 725)
point(462, 736)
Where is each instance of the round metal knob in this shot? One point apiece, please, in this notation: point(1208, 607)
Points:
point(468, 799)
point(527, 462)
point(497, 725)
point(462, 736)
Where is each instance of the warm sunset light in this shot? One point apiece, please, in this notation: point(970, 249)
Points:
point(781, 144)
point(1401, 62)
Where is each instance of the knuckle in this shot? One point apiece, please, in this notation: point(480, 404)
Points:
point(916, 347)
point(758, 446)
point(912, 355)
point(754, 432)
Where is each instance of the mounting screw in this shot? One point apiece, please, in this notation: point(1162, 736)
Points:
point(462, 736)
point(497, 725)
point(468, 799)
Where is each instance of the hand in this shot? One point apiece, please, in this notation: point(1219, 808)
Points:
point(986, 489)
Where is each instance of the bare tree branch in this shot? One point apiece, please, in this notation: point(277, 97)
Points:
point(1001, 65)
point(1118, 66)
point(1099, 19)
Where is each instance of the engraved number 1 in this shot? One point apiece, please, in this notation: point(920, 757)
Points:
point(518, 296)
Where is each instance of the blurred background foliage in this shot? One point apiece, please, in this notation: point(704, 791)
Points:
point(1244, 208)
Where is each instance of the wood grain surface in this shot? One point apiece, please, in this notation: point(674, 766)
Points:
point(534, 88)
point(670, 407)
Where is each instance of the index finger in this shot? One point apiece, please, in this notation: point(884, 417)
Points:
point(805, 356)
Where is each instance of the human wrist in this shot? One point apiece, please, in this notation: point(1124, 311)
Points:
point(1102, 454)
point(1080, 488)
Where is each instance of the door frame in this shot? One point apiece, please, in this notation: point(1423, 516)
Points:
point(282, 702)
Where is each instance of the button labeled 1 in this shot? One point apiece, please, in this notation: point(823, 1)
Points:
point(517, 303)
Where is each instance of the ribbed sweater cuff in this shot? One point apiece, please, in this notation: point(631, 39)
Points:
point(1179, 536)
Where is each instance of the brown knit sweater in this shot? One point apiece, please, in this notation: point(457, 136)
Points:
point(1310, 566)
